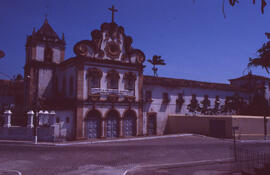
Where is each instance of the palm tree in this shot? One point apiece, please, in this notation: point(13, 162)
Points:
point(156, 60)
point(263, 59)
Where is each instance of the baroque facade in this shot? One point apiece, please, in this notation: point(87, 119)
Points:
point(102, 92)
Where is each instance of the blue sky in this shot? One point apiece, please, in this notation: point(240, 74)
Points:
point(195, 39)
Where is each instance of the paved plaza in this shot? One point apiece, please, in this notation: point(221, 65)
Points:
point(115, 158)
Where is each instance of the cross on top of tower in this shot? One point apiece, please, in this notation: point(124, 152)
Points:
point(113, 10)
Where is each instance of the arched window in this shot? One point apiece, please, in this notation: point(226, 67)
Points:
point(48, 54)
point(112, 79)
point(130, 79)
point(71, 86)
point(94, 77)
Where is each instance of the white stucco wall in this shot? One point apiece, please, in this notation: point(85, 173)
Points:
point(267, 91)
point(40, 53)
point(67, 73)
point(66, 127)
point(163, 110)
point(56, 55)
point(45, 83)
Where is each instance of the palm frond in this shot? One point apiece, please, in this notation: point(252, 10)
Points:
point(150, 61)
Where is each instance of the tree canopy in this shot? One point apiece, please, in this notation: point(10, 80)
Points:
point(156, 60)
point(263, 3)
point(234, 2)
point(263, 59)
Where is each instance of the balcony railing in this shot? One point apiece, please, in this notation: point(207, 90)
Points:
point(106, 92)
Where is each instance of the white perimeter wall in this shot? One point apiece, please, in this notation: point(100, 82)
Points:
point(66, 125)
point(163, 110)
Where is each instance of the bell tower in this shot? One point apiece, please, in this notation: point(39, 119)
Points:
point(44, 51)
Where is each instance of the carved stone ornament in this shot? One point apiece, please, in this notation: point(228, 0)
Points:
point(94, 97)
point(112, 50)
point(117, 45)
point(113, 74)
point(112, 98)
point(130, 76)
point(130, 99)
point(84, 48)
point(94, 72)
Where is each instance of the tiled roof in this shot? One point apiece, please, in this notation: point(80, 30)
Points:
point(248, 76)
point(172, 82)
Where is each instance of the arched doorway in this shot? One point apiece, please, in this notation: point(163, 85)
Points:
point(129, 124)
point(112, 124)
point(93, 124)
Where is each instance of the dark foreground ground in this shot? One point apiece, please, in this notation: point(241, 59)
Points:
point(114, 158)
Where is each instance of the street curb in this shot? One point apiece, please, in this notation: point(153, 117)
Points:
point(84, 142)
point(177, 165)
point(92, 141)
point(124, 139)
point(6, 172)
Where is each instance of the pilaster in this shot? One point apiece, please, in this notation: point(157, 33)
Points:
point(140, 107)
point(79, 132)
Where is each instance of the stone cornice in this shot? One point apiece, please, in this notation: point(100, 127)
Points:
point(84, 61)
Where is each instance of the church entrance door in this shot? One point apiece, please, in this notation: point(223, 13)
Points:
point(151, 124)
point(93, 124)
point(129, 121)
point(112, 124)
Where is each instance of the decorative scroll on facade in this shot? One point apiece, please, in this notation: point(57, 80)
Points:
point(109, 43)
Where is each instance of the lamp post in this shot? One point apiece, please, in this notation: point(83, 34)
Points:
point(234, 142)
point(37, 111)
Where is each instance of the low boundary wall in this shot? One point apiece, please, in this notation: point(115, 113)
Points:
point(247, 127)
point(49, 134)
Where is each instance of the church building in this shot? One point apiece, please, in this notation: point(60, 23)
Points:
point(103, 93)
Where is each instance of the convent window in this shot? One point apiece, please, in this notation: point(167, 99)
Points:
point(130, 79)
point(112, 79)
point(94, 76)
point(48, 54)
point(165, 98)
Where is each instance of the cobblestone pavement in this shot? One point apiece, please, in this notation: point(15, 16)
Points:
point(111, 158)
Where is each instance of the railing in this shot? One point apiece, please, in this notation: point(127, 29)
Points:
point(112, 91)
point(248, 160)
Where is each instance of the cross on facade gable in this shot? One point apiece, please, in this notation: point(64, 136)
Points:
point(113, 10)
